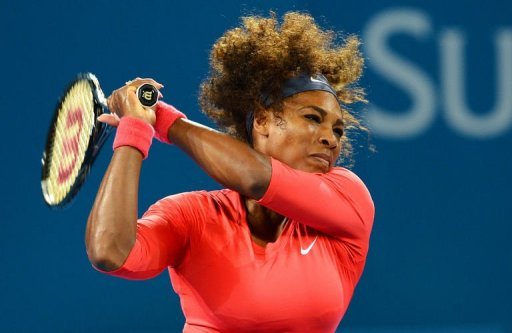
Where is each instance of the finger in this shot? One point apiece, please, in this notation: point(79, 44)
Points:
point(109, 119)
point(133, 98)
point(112, 104)
point(109, 102)
point(140, 81)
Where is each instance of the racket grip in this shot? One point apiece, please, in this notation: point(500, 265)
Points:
point(147, 94)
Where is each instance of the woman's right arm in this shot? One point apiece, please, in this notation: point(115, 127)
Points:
point(112, 223)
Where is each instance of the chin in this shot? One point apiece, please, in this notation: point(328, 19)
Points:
point(310, 166)
point(314, 168)
point(322, 170)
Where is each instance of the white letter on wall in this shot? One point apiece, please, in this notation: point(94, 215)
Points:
point(400, 71)
point(458, 114)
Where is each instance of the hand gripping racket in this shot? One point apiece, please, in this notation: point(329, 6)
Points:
point(76, 137)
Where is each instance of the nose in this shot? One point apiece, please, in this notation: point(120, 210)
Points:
point(328, 138)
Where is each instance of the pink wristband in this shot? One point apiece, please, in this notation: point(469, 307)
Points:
point(135, 133)
point(166, 115)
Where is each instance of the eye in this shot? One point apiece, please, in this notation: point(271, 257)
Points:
point(313, 117)
point(338, 132)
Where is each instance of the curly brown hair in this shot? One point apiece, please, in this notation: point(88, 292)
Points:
point(257, 58)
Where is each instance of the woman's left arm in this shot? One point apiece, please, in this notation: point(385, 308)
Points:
point(229, 161)
point(336, 203)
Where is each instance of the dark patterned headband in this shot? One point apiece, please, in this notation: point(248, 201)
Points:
point(297, 84)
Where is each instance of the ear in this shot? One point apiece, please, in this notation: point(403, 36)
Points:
point(262, 120)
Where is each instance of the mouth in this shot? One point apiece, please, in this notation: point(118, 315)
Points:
point(325, 159)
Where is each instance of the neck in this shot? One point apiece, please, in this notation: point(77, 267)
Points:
point(265, 225)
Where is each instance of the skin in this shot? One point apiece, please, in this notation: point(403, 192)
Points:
point(306, 137)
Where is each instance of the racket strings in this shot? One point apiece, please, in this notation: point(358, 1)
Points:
point(73, 128)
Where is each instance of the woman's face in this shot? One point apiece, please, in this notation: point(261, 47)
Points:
point(308, 136)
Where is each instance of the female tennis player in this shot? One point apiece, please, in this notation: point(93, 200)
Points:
point(282, 247)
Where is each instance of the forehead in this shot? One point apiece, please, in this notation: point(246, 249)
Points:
point(317, 98)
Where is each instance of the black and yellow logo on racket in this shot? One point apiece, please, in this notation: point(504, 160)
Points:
point(147, 94)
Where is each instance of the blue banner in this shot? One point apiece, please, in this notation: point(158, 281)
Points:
point(438, 78)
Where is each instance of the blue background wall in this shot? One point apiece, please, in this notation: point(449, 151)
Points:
point(439, 76)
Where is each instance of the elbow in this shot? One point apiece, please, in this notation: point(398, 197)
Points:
point(107, 253)
point(105, 264)
point(258, 184)
point(256, 189)
point(106, 259)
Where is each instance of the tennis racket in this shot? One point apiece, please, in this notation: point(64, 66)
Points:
point(75, 137)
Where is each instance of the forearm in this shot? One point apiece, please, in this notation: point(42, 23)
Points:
point(336, 203)
point(229, 161)
point(112, 223)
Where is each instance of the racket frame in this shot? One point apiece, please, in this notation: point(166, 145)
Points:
point(99, 134)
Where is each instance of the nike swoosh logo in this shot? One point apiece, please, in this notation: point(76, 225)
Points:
point(306, 250)
point(316, 80)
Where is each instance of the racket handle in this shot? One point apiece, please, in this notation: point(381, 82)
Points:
point(147, 94)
